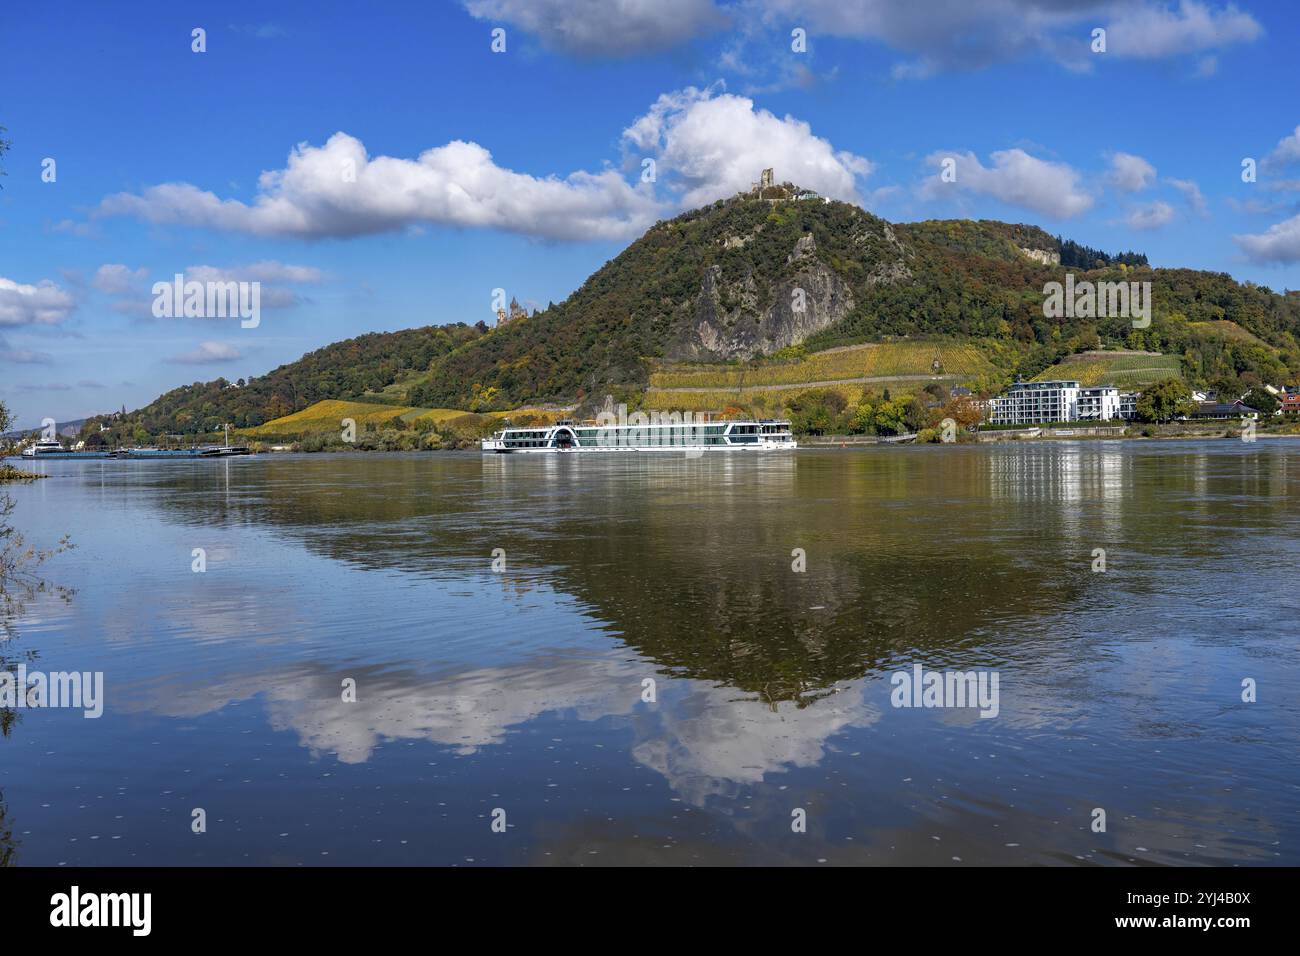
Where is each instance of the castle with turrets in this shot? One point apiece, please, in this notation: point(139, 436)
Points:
point(517, 311)
point(767, 188)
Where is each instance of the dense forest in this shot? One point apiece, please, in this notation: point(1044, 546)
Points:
point(1075, 256)
point(969, 280)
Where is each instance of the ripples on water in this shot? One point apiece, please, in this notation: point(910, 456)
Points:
point(523, 689)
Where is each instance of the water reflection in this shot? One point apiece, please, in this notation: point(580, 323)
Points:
point(700, 737)
point(619, 570)
point(688, 561)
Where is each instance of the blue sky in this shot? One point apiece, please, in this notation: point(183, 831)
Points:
point(379, 166)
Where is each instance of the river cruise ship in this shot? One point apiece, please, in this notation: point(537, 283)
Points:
point(567, 436)
point(53, 448)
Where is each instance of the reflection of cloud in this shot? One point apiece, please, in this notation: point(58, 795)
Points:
point(704, 742)
point(470, 710)
point(710, 742)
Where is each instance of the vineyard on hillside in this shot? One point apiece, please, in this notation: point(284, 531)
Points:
point(770, 403)
point(858, 361)
point(328, 416)
point(1121, 369)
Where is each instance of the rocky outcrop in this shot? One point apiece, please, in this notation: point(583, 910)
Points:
point(805, 248)
point(1047, 258)
point(751, 315)
point(729, 323)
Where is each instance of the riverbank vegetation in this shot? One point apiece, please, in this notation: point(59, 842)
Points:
point(19, 582)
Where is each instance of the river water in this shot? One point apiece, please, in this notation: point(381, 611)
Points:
point(656, 659)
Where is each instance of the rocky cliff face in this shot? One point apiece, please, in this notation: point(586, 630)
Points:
point(1046, 257)
point(752, 313)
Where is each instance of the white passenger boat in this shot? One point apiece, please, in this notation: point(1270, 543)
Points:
point(673, 436)
point(44, 447)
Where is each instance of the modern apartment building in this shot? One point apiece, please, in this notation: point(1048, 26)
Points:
point(1100, 404)
point(1036, 403)
point(1128, 405)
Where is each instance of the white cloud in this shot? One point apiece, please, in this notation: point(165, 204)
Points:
point(709, 145)
point(208, 353)
point(271, 270)
point(939, 35)
point(963, 35)
point(26, 357)
point(337, 190)
point(116, 279)
point(1191, 193)
point(1016, 178)
point(1154, 31)
point(1279, 243)
point(1286, 152)
point(1130, 173)
point(41, 304)
point(942, 34)
point(604, 28)
point(131, 289)
point(272, 275)
point(1150, 216)
point(1258, 207)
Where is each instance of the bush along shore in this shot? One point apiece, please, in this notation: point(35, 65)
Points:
point(9, 473)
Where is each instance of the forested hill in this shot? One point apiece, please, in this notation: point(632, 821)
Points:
point(342, 370)
point(744, 278)
point(716, 283)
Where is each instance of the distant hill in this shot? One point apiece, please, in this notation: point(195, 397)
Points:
point(343, 370)
point(756, 284)
point(68, 429)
